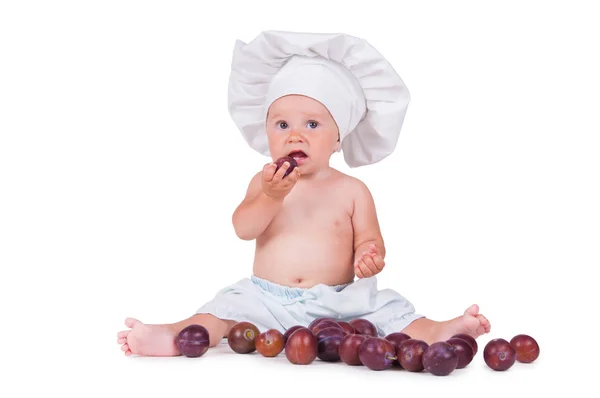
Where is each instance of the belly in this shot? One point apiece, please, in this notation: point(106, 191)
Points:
point(304, 260)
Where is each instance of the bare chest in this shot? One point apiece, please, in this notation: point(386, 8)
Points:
point(315, 212)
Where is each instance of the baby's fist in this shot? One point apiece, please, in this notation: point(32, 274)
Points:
point(369, 264)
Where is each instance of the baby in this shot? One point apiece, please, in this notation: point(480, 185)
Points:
point(316, 229)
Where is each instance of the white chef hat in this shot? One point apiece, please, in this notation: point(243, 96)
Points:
point(362, 91)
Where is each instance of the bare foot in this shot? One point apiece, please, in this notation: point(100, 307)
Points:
point(471, 322)
point(147, 340)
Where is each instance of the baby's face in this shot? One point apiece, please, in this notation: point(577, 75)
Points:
point(303, 128)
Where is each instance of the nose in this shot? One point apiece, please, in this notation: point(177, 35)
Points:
point(294, 137)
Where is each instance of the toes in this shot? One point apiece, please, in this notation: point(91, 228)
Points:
point(122, 334)
point(128, 353)
point(121, 340)
point(131, 322)
point(125, 347)
point(483, 320)
point(485, 324)
point(472, 310)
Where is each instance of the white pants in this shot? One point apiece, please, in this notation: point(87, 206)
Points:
point(271, 306)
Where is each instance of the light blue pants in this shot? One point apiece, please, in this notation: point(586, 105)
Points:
point(271, 306)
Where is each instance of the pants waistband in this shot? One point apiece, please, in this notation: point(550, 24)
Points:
point(286, 291)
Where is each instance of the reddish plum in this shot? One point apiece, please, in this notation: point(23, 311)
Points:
point(377, 353)
point(241, 337)
point(293, 164)
point(328, 343)
point(499, 355)
point(364, 326)
point(526, 347)
point(396, 339)
point(463, 350)
point(301, 347)
point(324, 325)
point(349, 347)
point(291, 330)
point(316, 321)
point(410, 354)
point(349, 329)
point(439, 359)
point(469, 339)
point(270, 343)
point(193, 341)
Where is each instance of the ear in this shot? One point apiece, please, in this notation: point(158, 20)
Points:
point(337, 144)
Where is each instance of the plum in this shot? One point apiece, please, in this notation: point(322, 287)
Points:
point(526, 347)
point(301, 347)
point(324, 325)
point(463, 350)
point(410, 354)
point(270, 343)
point(349, 347)
point(439, 359)
point(293, 164)
point(396, 339)
point(377, 353)
point(316, 321)
point(363, 326)
point(193, 341)
point(291, 330)
point(469, 340)
point(241, 337)
point(328, 343)
point(349, 329)
point(499, 355)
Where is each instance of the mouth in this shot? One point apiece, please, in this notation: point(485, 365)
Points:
point(299, 156)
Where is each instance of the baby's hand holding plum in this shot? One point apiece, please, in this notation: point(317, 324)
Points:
point(274, 184)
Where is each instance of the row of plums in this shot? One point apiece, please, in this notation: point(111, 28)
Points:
point(357, 343)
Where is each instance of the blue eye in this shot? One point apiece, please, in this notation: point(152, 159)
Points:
point(311, 123)
point(282, 125)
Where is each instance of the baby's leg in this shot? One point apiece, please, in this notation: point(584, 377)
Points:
point(471, 323)
point(159, 340)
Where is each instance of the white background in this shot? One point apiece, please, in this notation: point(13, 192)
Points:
point(120, 168)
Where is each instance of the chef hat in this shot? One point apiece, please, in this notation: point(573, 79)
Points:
point(362, 91)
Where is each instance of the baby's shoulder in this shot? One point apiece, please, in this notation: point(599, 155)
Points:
point(350, 184)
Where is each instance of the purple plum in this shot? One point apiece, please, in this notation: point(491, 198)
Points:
point(363, 326)
point(377, 353)
point(349, 348)
point(328, 343)
point(193, 341)
point(439, 359)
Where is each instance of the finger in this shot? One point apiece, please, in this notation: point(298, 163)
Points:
point(294, 175)
point(358, 259)
point(269, 171)
point(281, 171)
point(365, 269)
point(358, 271)
point(370, 264)
point(379, 263)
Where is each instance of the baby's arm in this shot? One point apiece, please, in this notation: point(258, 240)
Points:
point(365, 222)
point(256, 211)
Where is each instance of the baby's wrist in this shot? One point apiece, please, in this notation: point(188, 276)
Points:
point(272, 199)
